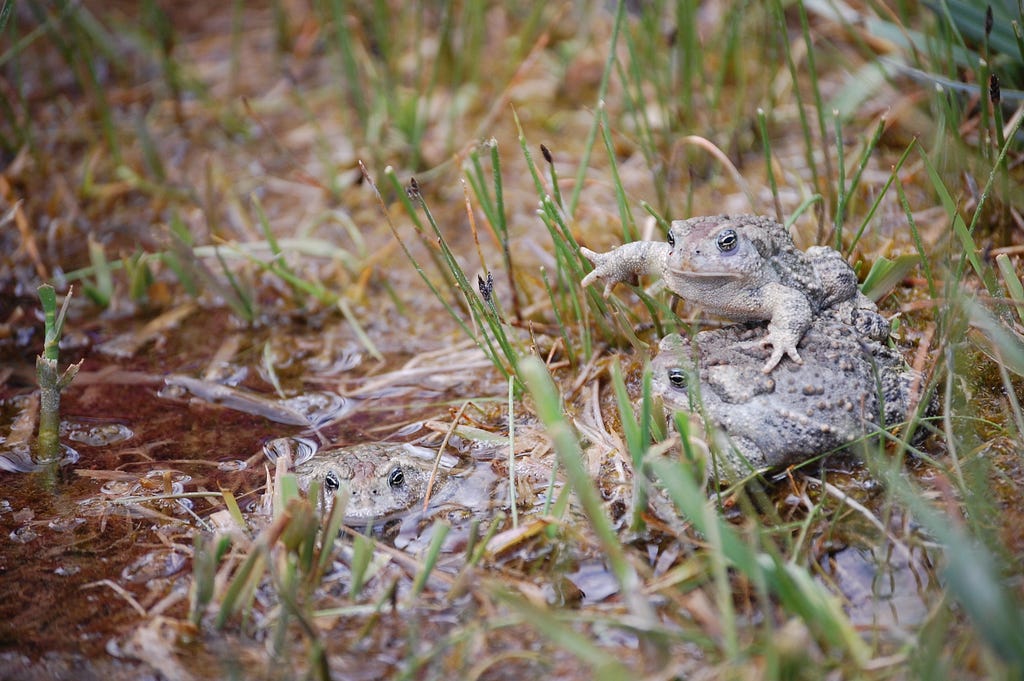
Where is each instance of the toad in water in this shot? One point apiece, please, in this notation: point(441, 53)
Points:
point(385, 479)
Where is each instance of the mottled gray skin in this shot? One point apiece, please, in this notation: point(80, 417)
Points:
point(746, 268)
point(798, 411)
point(383, 479)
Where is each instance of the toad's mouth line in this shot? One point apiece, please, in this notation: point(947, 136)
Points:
point(704, 275)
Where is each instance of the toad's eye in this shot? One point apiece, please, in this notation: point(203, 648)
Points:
point(727, 240)
point(331, 482)
point(396, 478)
point(671, 239)
point(677, 377)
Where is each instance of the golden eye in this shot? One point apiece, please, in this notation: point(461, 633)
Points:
point(677, 377)
point(671, 239)
point(331, 482)
point(396, 478)
point(727, 240)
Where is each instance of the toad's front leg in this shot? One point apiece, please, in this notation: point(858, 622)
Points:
point(790, 316)
point(626, 263)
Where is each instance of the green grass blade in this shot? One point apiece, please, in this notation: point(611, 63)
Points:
point(1012, 282)
point(362, 553)
point(886, 273)
point(570, 458)
point(439, 530)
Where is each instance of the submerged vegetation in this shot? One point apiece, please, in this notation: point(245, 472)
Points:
point(363, 220)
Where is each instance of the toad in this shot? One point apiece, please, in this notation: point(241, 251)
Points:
point(746, 268)
point(847, 388)
point(385, 479)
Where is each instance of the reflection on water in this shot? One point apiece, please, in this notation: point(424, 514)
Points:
point(18, 458)
point(96, 435)
point(311, 409)
point(154, 565)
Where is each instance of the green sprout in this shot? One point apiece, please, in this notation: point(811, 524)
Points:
point(51, 381)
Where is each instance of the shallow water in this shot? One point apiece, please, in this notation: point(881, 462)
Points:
point(155, 446)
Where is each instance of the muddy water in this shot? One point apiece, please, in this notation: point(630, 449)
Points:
point(83, 541)
point(65, 530)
